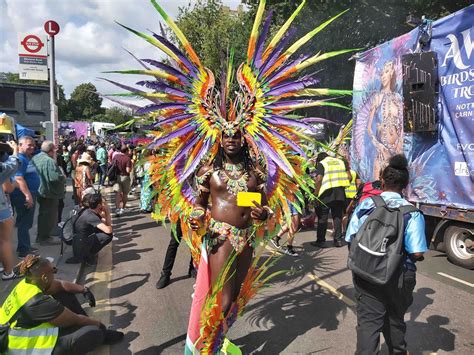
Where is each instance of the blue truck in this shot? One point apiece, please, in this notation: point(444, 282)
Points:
point(415, 95)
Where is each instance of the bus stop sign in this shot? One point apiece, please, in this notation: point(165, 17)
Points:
point(51, 27)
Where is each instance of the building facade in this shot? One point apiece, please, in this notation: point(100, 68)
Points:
point(27, 104)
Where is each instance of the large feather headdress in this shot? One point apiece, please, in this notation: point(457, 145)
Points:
point(191, 113)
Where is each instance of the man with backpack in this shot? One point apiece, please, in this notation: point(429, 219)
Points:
point(387, 236)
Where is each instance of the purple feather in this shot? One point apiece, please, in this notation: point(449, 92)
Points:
point(133, 107)
point(138, 60)
point(185, 150)
point(318, 120)
point(204, 149)
point(177, 52)
point(156, 107)
point(273, 174)
point(173, 118)
point(291, 87)
point(257, 59)
point(285, 68)
point(284, 121)
point(178, 133)
point(170, 70)
point(162, 87)
point(292, 144)
point(276, 52)
point(268, 150)
point(125, 87)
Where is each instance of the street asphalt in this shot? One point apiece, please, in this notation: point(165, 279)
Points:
point(309, 309)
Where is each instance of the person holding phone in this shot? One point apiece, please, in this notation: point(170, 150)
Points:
point(231, 228)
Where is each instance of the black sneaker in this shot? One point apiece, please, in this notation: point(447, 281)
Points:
point(163, 281)
point(112, 336)
point(276, 242)
point(290, 251)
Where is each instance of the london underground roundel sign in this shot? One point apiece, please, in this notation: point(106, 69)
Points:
point(51, 27)
point(32, 44)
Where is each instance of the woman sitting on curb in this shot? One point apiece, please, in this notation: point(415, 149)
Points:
point(40, 324)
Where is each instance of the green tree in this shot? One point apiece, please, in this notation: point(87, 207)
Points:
point(63, 106)
point(213, 29)
point(117, 115)
point(85, 102)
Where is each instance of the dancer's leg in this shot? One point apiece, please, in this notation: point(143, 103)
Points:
point(244, 260)
point(295, 223)
point(217, 260)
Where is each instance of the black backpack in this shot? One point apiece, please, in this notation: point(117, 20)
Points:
point(67, 229)
point(377, 250)
point(112, 172)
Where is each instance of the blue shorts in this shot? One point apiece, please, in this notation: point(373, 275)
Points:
point(5, 214)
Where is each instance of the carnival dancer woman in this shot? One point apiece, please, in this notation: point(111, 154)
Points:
point(202, 131)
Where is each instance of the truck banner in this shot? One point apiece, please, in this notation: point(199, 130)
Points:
point(441, 162)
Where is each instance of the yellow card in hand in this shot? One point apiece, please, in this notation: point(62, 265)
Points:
point(245, 199)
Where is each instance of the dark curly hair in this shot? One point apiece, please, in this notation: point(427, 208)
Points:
point(395, 175)
point(31, 264)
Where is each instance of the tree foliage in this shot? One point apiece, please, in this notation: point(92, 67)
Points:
point(85, 102)
point(367, 24)
point(213, 29)
point(117, 115)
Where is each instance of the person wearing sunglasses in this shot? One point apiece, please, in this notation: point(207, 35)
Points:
point(39, 323)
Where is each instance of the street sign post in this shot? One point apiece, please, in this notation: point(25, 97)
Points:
point(33, 57)
point(52, 28)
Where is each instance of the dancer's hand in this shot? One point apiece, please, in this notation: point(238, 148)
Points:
point(258, 212)
point(197, 219)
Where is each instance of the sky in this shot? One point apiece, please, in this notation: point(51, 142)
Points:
point(89, 41)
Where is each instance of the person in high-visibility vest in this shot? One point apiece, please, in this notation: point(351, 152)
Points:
point(351, 190)
point(39, 324)
point(332, 176)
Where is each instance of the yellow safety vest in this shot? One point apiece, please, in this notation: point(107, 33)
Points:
point(38, 340)
point(335, 174)
point(351, 190)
